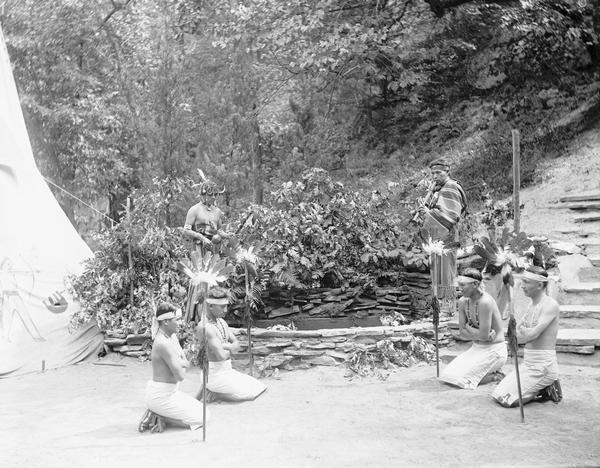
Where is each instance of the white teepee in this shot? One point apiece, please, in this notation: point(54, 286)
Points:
point(39, 248)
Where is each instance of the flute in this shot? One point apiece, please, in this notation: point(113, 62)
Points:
point(425, 201)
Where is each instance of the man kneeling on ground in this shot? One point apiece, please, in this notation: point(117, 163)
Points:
point(537, 329)
point(224, 383)
point(167, 405)
point(478, 321)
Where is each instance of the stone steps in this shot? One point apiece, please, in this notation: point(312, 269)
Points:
point(587, 217)
point(591, 249)
point(568, 340)
point(580, 311)
point(595, 259)
point(578, 337)
point(581, 205)
point(580, 287)
point(583, 196)
point(580, 316)
point(581, 323)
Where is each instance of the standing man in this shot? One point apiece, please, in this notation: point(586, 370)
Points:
point(203, 220)
point(537, 328)
point(224, 383)
point(479, 321)
point(166, 403)
point(440, 213)
point(203, 224)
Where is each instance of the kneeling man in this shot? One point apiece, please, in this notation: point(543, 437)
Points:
point(478, 321)
point(224, 383)
point(169, 364)
point(537, 329)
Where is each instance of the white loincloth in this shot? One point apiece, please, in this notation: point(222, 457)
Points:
point(539, 369)
point(467, 369)
point(165, 399)
point(232, 384)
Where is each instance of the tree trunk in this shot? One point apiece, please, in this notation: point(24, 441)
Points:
point(595, 47)
point(246, 133)
point(256, 155)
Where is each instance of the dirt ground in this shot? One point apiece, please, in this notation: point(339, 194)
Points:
point(86, 416)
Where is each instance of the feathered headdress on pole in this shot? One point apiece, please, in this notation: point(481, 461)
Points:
point(206, 271)
point(435, 249)
point(503, 258)
point(248, 259)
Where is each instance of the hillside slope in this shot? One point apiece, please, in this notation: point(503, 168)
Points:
point(577, 170)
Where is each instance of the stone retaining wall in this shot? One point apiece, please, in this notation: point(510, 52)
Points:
point(327, 347)
point(298, 348)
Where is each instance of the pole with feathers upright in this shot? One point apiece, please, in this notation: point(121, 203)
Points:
point(248, 259)
point(435, 249)
point(207, 270)
point(204, 363)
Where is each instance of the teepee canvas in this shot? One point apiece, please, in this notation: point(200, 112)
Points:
point(39, 248)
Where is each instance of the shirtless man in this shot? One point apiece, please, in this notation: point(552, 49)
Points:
point(537, 329)
point(169, 365)
point(203, 220)
point(224, 383)
point(478, 321)
point(203, 226)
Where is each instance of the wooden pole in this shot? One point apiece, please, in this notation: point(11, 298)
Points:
point(129, 253)
point(204, 362)
point(435, 307)
point(516, 145)
point(519, 388)
point(248, 320)
point(437, 352)
point(514, 348)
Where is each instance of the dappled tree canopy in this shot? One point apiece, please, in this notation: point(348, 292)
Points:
point(118, 92)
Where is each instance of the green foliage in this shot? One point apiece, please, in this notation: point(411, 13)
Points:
point(120, 297)
point(257, 92)
point(495, 214)
point(388, 355)
point(315, 231)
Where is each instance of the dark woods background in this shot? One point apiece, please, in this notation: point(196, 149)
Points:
point(118, 94)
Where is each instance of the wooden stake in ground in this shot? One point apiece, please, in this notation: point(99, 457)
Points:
point(129, 256)
point(204, 363)
point(435, 260)
point(435, 309)
point(249, 260)
point(514, 346)
point(248, 317)
point(208, 270)
point(516, 180)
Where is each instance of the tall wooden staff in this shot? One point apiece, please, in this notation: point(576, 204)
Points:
point(435, 249)
point(512, 323)
point(248, 318)
point(204, 362)
point(209, 270)
point(435, 309)
point(514, 346)
point(516, 180)
point(249, 259)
